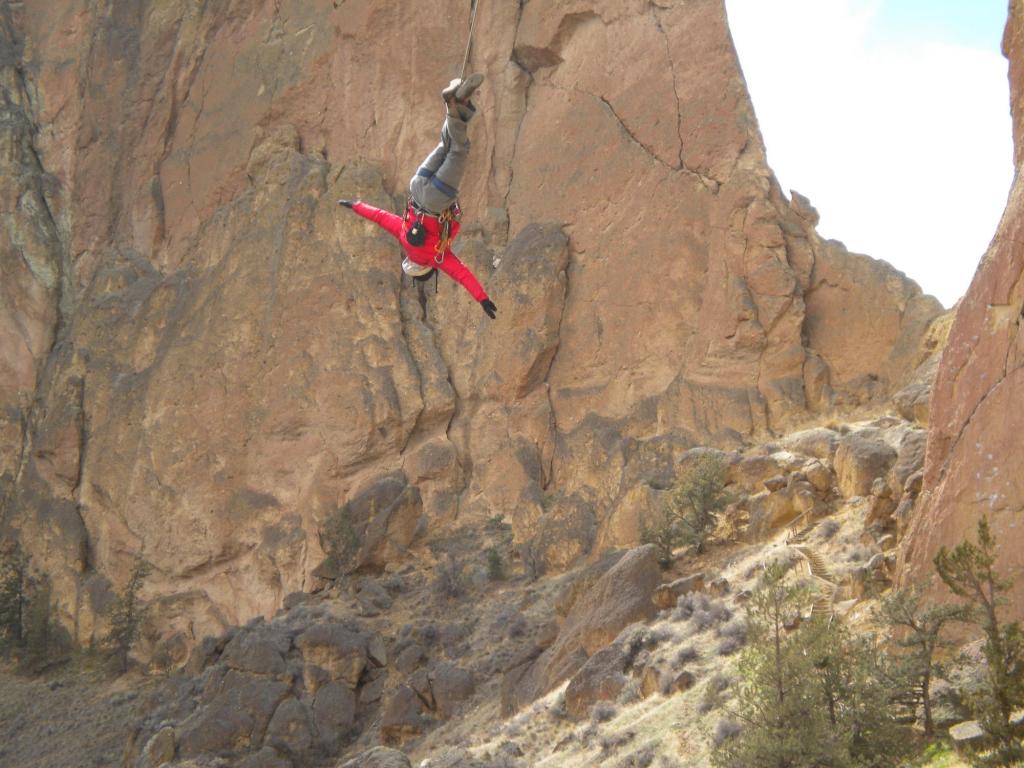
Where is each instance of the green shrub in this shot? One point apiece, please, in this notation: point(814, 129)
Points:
point(450, 579)
point(690, 514)
point(340, 541)
point(495, 564)
point(128, 615)
point(13, 597)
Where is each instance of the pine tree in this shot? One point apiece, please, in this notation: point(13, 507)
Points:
point(969, 572)
point(784, 722)
point(810, 697)
point(128, 615)
point(918, 626)
point(698, 498)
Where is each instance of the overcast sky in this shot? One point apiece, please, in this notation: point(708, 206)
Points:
point(892, 116)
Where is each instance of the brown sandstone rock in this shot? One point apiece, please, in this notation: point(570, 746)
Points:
point(909, 461)
point(622, 596)
point(651, 682)
point(602, 678)
point(402, 715)
point(819, 442)
point(159, 750)
point(242, 359)
point(450, 685)
point(235, 718)
point(667, 595)
point(974, 460)
point(334, 710)
point(337, 650)
point(291, 728)
point(862, 456)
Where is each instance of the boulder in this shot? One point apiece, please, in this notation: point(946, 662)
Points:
point(334, 713)
point(336, 649)
point(257, 653)
point(750, 472)
point(402, 716)
point(601, 678)
point(160, 748)
point(620, 597)
point(909, 460)
point(861, 457)
point(291, 729)
point(652, 681)
point(682, 682)
point(451, 686)
point(820, 475)
point(820, 442)
point(235, 718)
point(667, 595)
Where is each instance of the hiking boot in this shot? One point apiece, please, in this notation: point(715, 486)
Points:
point(466, 87)
point(449, 92)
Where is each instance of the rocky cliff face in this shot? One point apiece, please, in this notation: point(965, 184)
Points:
point(213, 364)
point(974, 464)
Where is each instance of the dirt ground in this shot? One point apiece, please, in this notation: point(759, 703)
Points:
point(71, 717)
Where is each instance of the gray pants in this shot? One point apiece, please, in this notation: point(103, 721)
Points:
point(436, 183)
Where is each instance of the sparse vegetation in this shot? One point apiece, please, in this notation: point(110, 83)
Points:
point(969, 572)
point(698, 498)
point(495, 564)
point(725, 729)
point(602, 712)
point(827, 529)
point(630, 692)
point(808, 697)
point(664, 532)
point(13, 598)
point(128, 615)
point(340, 541)
point(686, 654)
point(532, 556)
point(641, 758)
point(450, 579)
point(27, 630)
point(714, 692)
point(39, 638)
point(690, 514)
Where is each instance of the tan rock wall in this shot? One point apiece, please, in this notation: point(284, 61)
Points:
point(243, 358)
point(31, 259)
point(974, 464)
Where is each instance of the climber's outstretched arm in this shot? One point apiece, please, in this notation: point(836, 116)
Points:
point(384, 219)
point(459, 272)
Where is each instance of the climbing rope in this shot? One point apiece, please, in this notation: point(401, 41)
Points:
point(469, 42)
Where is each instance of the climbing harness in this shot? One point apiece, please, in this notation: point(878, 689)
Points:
point(416, 234)
point(448, 215)
point(469, 42)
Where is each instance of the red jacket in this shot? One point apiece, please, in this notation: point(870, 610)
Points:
point(425, 254)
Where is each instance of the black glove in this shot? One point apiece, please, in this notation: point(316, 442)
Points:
point(347, 203)
point(489, 308)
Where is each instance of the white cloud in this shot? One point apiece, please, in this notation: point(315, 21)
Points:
point(904, 148)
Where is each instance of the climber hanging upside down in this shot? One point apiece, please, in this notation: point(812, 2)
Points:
point(431, 219)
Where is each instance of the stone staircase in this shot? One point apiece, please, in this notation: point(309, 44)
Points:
point(826, 583)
